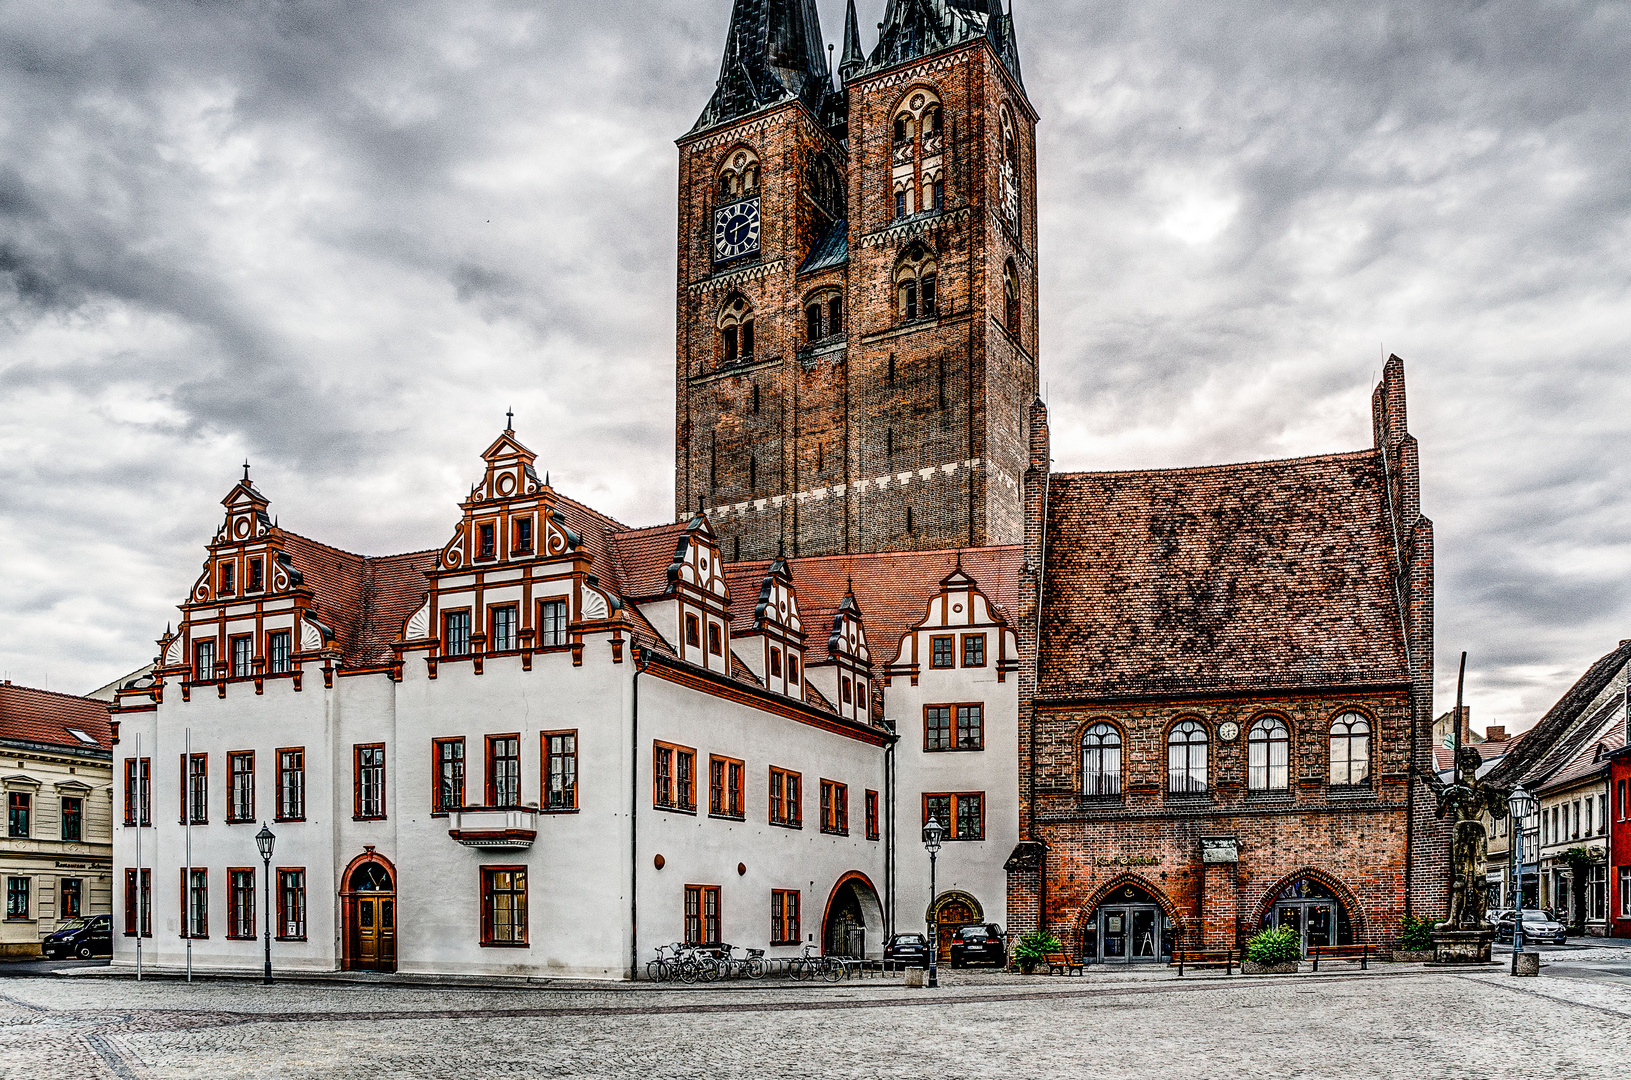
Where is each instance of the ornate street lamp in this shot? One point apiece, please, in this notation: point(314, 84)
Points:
point(264, 840)
point(1519, 805)
point(932, 832)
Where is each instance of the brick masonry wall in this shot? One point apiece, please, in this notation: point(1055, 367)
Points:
point(799, 471)
point(1355, 843)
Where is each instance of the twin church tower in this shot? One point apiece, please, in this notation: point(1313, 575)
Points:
point(857, 287)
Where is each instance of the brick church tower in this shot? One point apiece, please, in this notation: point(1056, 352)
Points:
point(857, 286)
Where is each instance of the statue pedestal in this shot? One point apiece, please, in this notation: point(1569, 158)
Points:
point(1462, 946)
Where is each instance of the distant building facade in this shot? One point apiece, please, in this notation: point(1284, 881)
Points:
point(56, 855)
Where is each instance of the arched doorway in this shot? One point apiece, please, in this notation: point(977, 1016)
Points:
point(1313, 908)
point(368, 904)
point(951, 912)
point(1129, 925)
point(853, 922)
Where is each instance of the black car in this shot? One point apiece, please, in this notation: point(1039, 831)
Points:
point(82, 938)
point(978, 945)
point(907, 949)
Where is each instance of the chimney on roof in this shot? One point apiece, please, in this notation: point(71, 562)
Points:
point(1495, 733)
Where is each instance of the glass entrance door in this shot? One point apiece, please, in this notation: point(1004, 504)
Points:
point(1315, 922)
point(1144, 943)
point(1113, 934)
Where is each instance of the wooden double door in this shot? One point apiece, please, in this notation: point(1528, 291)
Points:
point(371, 919)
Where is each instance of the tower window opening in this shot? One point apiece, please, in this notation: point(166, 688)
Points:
point(739, 176)
point(753, 473)
point(1010, 288)
point(889, 445)
point(736, 330)
point(812, 322)
point(755, 397)
point(835, 316)
point(917, 284)
point(903, 128)
point(908, 520)
point(900, 202)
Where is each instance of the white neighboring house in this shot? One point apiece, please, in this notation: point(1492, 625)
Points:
point(941, 627)
point(545, 749)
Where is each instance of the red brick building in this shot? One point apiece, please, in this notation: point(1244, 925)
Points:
point(857, 285)
point(1233, 681)
point(1619, 842)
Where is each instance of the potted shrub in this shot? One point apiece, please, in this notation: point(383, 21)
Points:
point(1273, 952)
point(1415, 940)
point(1033, 949)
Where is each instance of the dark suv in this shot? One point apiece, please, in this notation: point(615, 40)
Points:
point(978, 945)
point(84, 938)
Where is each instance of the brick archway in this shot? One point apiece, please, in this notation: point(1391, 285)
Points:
point(1344, 895)
point(1105, 893)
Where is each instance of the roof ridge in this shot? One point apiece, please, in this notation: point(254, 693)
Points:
point(929, 553)
point(1222, 467)
point(53, 693)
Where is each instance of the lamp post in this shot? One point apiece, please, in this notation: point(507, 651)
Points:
point(1519, 805)
point(264, 840)
point(932, 832)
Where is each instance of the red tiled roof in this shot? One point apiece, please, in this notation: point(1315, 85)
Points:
point(363, 600)
point(892, 589)
point(641, 558)
point(1235, 577)
point(1609, 729)
point(1444, 756)
point(41, 716)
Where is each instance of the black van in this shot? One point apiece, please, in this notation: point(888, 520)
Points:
point(82, 938)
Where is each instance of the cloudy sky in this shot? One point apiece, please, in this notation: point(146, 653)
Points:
point(341, 239)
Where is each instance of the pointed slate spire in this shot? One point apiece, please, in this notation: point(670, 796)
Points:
point(774, 51)
point(854, 59)
point(916, 28)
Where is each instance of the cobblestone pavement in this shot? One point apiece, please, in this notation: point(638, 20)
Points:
point(1393, 1021)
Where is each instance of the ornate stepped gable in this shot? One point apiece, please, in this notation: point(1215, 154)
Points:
point(959, 606)
point(523, 543)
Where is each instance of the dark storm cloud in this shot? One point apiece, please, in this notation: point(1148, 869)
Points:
point(341, 239)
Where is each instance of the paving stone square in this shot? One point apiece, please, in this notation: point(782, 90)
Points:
point(1393, 1021)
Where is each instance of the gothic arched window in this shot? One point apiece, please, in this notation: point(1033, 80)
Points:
point(1186, 759)
point(917, 282)
point(739, 175)
point(1010, 168)
point(824, 316)
point(1010, 296)
point(1101, 761)
point(917, 179)
point(1268, 755)
point(736, 330)
point(1350, 750)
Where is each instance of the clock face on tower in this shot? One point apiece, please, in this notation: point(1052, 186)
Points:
point(736, 229)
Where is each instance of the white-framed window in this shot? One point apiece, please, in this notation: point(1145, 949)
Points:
point(1268, 755)
point(1186, 759)
point(1101, 761)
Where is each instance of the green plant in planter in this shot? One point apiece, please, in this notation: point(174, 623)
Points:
point(1280, 946)
point(1415, 935)
point(1033, 949)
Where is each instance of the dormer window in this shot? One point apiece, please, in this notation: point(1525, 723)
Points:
point(792, 668)
point(486, 542)
point(227, 585)
point(848, 690)
point(693, 631)
point(256, 578)
point(204, 659)
point(523, 535)
point(775, 663)
point(716, 643)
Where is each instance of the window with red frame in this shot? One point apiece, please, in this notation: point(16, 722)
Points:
point(785, 803)
point(370, 781)
point(834, 808)
point(504, 905)
point(241, 785)
point(447, 757)
point(871, 815)
point(139, 790)
point(139, 903)
point(240, 902)
point(784, 917)
point(725, 787)
point(291, 903)
point(674, 770)
point(702, 914)
point(503, 770)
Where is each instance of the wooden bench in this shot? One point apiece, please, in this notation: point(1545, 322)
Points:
point(1341, 952)
point(1228, 959)
point(1058, 963)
